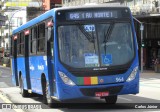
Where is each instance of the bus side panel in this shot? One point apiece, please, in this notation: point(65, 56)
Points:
point(21, 68)
point(13, 71)
point(38, 66)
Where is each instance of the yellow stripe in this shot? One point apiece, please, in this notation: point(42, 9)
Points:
point(94, 80)
point(6, 100)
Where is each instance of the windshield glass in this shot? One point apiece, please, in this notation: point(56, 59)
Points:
point(95, 45)
point(116, 47)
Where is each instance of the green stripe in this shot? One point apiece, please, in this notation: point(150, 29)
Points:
point(80, 81)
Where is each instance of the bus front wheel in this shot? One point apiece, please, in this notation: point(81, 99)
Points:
point(111, 99)
point(46, 95)
point(22, 90)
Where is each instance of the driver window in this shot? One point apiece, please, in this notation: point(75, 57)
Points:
point(50, 41)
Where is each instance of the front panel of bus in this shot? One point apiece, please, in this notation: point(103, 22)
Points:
point(96, 53)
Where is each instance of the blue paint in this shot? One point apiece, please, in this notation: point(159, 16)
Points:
point(21, 70)
point(39, 66)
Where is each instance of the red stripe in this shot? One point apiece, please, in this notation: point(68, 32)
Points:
point(87, 81)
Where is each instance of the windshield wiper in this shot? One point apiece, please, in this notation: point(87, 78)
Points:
point(107, 36)
point(89, 37)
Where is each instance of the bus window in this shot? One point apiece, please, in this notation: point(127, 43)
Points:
point(20, 44)
point(119, 42)
point(33, 40)
point(50, 40)
point(49, 34)
point(78, 46)
point(41, 38)
point(13, 43)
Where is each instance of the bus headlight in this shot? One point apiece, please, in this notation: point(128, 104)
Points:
point(133, 74)
point(65, 79)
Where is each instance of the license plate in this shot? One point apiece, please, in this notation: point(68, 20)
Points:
point(100, 94)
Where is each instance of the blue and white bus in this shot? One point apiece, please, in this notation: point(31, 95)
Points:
point(77, 52)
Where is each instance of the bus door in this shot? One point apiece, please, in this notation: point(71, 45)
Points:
point(50, 59)
point(26, 54)
point(14, 53)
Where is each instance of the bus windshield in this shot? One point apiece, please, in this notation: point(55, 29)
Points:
point(96, 45)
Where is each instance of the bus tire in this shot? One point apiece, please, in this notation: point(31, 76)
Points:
point(46, 96)
point(111, 99)
point(22, 90)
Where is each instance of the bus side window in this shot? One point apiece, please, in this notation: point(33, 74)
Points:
point(50, 41)
point(50, 37)
point(41, 38)
point(20, 44)
point(33, 40)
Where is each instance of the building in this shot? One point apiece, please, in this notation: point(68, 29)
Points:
point(147, 11)
point(82, 2)
point(2, 24)
point(49, 4)
point(16, 13)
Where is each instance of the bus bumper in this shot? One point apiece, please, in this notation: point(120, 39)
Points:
point(71, 92)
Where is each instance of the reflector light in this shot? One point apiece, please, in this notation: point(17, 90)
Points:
point(15, 37)
point(26, 32)
point(49, 23)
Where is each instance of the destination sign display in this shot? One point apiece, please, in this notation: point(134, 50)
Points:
point(87, 14)
point(91, 15)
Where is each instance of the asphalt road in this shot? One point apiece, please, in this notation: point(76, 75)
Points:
point(149, 93)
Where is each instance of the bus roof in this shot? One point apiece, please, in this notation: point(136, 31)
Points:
point(52, 11)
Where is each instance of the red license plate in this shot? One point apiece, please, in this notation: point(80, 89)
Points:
point(100, 94)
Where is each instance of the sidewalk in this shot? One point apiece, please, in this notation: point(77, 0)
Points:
point(1, 66)
point(149, 74)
